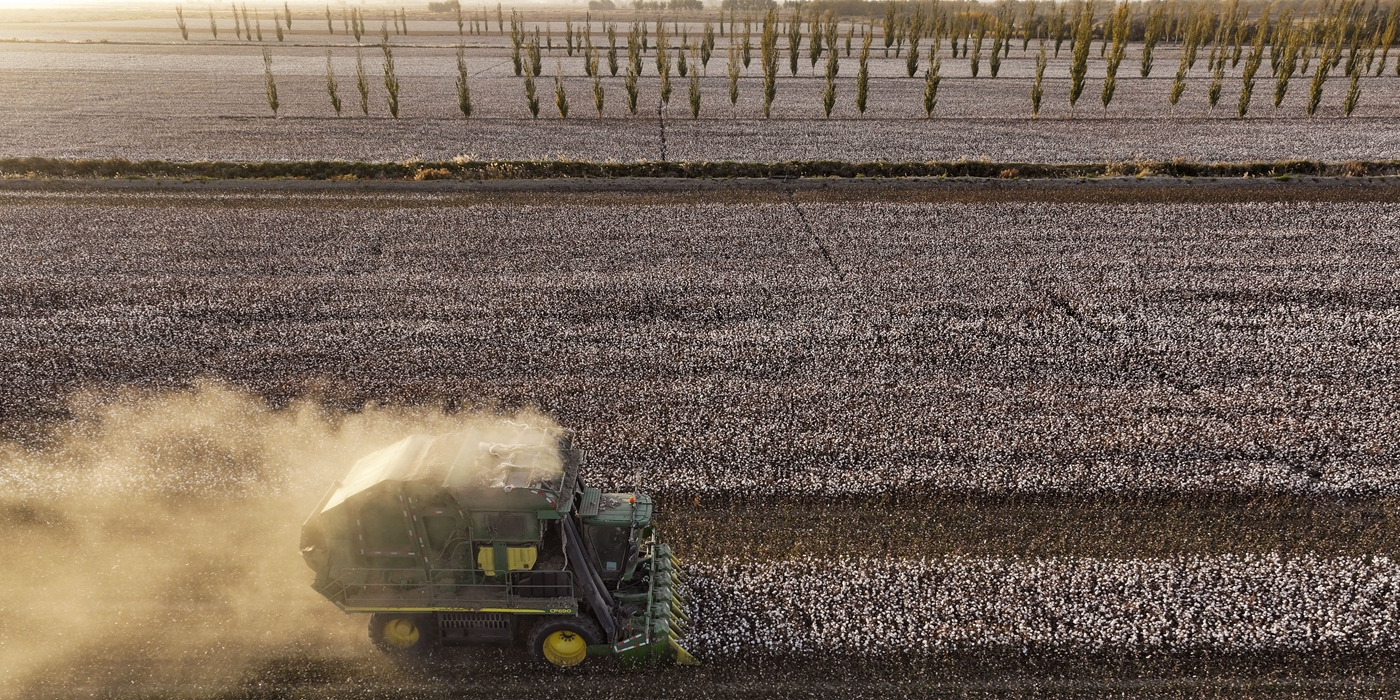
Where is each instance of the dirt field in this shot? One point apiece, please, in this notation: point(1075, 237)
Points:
point(1170, 398)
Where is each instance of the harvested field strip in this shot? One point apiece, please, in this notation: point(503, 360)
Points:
point(933, 524)
point(875, 606)
point(517, 170)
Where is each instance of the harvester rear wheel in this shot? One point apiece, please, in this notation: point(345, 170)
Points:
point(402, 634)
point(562, 642)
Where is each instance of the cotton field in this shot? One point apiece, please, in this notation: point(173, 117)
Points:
point(905, 441)
point(765, 347)
point(855, 606)
point(138, 90)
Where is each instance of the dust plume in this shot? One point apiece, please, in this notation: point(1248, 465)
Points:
point(153, 542)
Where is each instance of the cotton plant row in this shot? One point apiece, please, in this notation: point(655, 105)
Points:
point(871, 607)
point(860, 348)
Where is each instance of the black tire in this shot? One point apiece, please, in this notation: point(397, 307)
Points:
point(554, 641)
point(402, 634)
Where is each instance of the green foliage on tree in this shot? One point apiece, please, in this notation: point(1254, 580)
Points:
point(829, 92)
point(331, 87)
point(464, 90)
point(931, 80)
point(271, 83)
point(1038, 88)
point(629, 83)
point(734, 75)
point(1079, 66)
point(362, 81)
point(532, 101)
point(863, 77)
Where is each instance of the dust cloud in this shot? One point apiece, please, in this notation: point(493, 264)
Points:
point(152, 543)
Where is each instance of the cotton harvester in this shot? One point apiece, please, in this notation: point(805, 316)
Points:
point(453, 540)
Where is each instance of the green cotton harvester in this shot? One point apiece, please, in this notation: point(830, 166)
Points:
point(491, 537)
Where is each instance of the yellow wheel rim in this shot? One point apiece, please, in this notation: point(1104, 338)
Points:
point(400, 633)
point(565, 648)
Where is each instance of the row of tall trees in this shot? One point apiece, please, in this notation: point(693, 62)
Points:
point(1295, 39)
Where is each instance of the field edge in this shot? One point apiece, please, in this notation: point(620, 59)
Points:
point(413, 170)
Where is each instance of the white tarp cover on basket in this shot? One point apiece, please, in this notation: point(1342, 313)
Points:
point(464, 459)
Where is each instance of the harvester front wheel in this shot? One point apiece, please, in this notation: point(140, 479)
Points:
point(402, 634)
point(562, 642)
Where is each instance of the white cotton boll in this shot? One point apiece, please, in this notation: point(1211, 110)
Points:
point(1225, 603)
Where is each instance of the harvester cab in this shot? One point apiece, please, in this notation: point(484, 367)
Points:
point(454, 540)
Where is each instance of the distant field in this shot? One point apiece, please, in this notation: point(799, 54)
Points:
point(147, 94)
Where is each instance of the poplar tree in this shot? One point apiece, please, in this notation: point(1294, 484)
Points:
point(829, 94)
point(464, 91)
point(362, 81)
point(1217, 83)
point(748, 43)
point(1152, 33)
point(733, 75)
point(598, 94)
point(1251, 66)
point(1387, 36)
point(769, 57)
point(1080, 62)
point(1178, 84)
point(612, 49)
point(1026, 27)
point(1287, 66)
point(532, 51)
point(891, 19)
point(707, 46)
point(1058, 27)
point(694, 92)
point(1037, 89)
point(629, 83)
point(1353, 93)
point(1122, 20)
point(271, 84)
point(863, 77)
point(977, 47)
point(994, 61)
point(532, 101)
point(931, 80)
point(794, 37)
point(331, 87)
point(391, 81)
point(916, 29)
point(561, 99)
